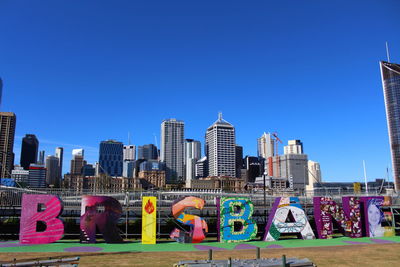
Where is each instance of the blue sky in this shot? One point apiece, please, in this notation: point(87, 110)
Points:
point(79, 72)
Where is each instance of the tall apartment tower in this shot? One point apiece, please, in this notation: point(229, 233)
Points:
point(129, 152)
point(265, 146)
point(41, 157)
point(390, 73)
point(192, 155)
point(172, 149)
point(220, 148)
point(7, 133)
point(53, 178)
point(60, 156)
point(111, 157)
point(293, 147)
point(147, 152)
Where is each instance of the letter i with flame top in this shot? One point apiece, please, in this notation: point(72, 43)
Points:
point(149, 220)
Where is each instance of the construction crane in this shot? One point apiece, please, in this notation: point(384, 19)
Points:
point(275, 134)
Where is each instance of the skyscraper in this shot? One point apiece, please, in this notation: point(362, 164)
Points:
point(1, 90)
point(53, 178)
point(239, 160)
point(265, 146)
point(147, 152)
point(220, 148)
point(41, 157)
point(77, 163)
point(37, 176)
point(172, 148)
point(129, 152)
point(293, 147)
point(29, 150)
point(192, 155)
point(390, 73)
point(111, 157)
point(7, 133)
point(60, 156)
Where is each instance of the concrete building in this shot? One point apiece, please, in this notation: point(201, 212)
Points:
point(53, 178)
point(7, 133)
point(265, 146)
point(88, 170)
point(129, 152)
point(102, 183)
point(221, 148)
point(390, 73)
point(314, 175)
point(20, 175)
point(172, 149)
point(37, 176)
point(78, 152)
point(77, 163)
point(111, 157)
point(29, 150)
point(152, 179)
point(192, 155)
point(291, 166)
point(60, 155)
point(293, 147)
point(227, 184)
point(146, 152)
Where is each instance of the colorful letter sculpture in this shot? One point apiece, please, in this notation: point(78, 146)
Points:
point(235, 211)
point(31, 214)
point(348, 218)
point(374, 217)
point(287, 216)
point(149, 220)
point(102, 212)
point(198, 226)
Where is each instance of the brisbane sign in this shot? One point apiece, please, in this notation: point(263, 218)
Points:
point(356, 217)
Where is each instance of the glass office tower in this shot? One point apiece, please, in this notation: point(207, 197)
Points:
point(390, 73)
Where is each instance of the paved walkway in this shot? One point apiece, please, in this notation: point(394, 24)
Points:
point(75, 246)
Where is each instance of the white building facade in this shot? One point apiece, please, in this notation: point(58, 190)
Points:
point(220, 148)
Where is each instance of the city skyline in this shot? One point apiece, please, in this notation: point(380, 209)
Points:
point(230, 58)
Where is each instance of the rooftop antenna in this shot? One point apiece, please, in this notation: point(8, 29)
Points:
point(220, 115)
point(387, 52)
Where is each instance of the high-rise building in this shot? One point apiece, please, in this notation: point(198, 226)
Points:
point(53, 178)
point(172, 149)
point(77, 161)
point(314, 175)
point(390, 73)
point(293, 147)
point(37, 176)
point(78, 152)
point(7, 133)
point(192, 155)
point(265, 146)
point(147, 152)
point(60, 156)
point(239, 160)
point(41, 157)
point(1, 90)
point(220, 148)
point(111, 157)
point(29, 150)
point(129, 152)
point(128, 168)
point(253, 168)
point(88, 170)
